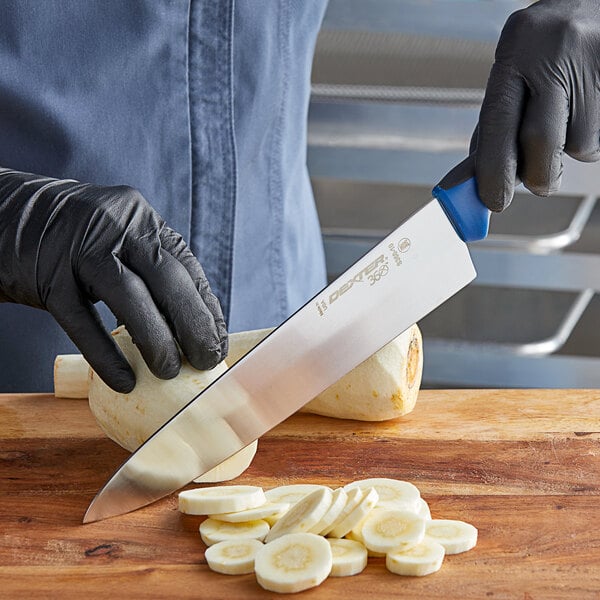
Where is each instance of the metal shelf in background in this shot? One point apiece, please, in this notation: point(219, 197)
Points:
point(407, 144)
point(542, 347)
point(327, 92)
point(445, 361)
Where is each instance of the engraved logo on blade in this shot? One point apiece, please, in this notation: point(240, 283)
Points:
point(374, 272)
point(401, 247)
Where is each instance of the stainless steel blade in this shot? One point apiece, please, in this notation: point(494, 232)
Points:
point(412, 271)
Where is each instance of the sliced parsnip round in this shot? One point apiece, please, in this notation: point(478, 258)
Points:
point(220, 499)
point(356, 516)
point(424, 511)
point(356, 535)
point(454, 536)
point(393, 493)
point(353, 498)
point(251, 514)
point(293, 563)
point(291, 493)
point(213, 531)
point(304, 515)
point(349, 557)
point(232, 557)
point(338, 502)
point(272, 519)
point(423, 559)
point(387, 530)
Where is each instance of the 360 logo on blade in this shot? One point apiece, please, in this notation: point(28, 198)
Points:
point(371, 274)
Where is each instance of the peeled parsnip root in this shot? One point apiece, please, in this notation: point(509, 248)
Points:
point(387, 530)
point(424, 511)
point(71, 373)
point(382, 387)
point(353, 499)
point(385, 386)
point(232, 467)
point(130, 419)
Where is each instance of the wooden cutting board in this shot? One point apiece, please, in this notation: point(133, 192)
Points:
point(522, 466)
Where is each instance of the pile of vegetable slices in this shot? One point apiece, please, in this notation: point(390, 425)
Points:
point(293, 537)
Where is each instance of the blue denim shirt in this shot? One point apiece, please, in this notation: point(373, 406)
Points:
point(202, 106)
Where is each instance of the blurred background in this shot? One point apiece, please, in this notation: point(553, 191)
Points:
point(397, 86)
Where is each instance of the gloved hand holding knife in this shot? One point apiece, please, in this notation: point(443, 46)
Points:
point(542, 99)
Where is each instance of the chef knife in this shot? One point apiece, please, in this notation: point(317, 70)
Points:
point(403, 278)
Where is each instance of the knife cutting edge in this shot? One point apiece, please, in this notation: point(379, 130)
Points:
point(408, 274)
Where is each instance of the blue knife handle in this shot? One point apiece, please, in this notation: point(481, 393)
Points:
point(467, 213)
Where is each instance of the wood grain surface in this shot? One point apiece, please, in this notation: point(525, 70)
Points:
point(522, 465)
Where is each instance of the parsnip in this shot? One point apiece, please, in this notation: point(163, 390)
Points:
point(293, 562)
point(454, 536)
point(393, 494)
point(304, 515)
point(296, 558)
point(71, 373)
point(221, 499)
point(387, 530)
point(232, 557)
point(213, 531)
point(268, 509)
point(292, 493)
point(353, 499)
point(385, 386)
point(356, 516)
point(130, 419)
point(349, 557)
point(339, 500)
point(423, 559)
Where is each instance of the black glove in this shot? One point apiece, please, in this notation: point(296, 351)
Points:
point(542, 98)
point(65, 245)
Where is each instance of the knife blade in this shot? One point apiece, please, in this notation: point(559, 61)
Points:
point(408, 274)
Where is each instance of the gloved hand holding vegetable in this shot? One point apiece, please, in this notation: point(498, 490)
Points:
point(65, 245)
point(542, 99)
